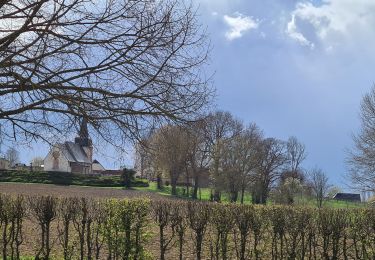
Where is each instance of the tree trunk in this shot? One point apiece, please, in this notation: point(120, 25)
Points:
point(217, 196)
point(173, 185)
point(196, 186)
point(242, 194)
point(159, 182)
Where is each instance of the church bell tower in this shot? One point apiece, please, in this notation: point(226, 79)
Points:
point(84, 140)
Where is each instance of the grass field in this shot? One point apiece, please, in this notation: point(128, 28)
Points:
point(66, 180)
point(204, 194)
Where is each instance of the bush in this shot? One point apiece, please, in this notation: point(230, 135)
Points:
point(65, 178)
point(127, 177)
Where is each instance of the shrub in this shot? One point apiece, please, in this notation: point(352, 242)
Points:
point(82, 228)
point(127, 177)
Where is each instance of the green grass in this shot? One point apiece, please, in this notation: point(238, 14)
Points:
point(328, 203)
point(205, 194)
point(62, 178)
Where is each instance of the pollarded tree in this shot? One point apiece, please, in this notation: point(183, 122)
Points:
point(122, 65)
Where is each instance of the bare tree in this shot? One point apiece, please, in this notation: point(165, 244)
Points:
point(143, 160)
point(319, 184)
point(361, 158)
point(221, 126)
point(293, 176)
point(12, 155)
point(170, 148)
point(239, 160)
point(296, 152)
point(272, 158)
point(198, 154)
point(122, 65)
point(37, 161)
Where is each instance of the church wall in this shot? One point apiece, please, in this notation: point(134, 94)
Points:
point(4, 164)
point(64, 165)
point(81, 168)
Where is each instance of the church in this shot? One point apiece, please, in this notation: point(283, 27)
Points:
point(74, 157)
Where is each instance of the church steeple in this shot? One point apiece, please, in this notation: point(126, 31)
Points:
point(83, 137)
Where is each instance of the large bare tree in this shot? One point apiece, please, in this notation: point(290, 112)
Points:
point(221, 127)
point(272, 158)
point(239, 160)
point(169, 151)
point(296, 153)
point(122, 65)
point(361, 158)
point(198, 154)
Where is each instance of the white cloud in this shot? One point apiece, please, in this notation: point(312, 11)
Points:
point(296, 35)
point(332, 23)
point(238, 25)
point(214, 13)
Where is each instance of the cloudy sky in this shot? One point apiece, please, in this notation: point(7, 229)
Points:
point(295, 68)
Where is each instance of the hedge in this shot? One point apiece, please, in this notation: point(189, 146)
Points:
point(82, 228)
point(65, 178)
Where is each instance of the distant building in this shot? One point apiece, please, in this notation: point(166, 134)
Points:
point(74, 157)
point(350, 197)
point(97, 168)
point(4, 164)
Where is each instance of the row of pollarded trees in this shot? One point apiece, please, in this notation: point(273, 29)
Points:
point(238, 158)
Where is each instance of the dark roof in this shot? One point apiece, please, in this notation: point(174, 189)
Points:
point(73, 152)
point(347, 196)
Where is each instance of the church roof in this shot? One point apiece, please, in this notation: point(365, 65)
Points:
point(74, 152)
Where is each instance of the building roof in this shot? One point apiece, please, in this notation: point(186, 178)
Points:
point(73, 152)
point(347, 196)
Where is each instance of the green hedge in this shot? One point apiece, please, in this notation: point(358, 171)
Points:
point(63, 178)
point(81, 228)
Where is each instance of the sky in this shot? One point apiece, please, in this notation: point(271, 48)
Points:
point(295, 68)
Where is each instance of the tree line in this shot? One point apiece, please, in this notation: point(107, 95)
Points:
point(230, 157)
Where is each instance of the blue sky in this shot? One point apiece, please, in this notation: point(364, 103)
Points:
point(294, 67)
